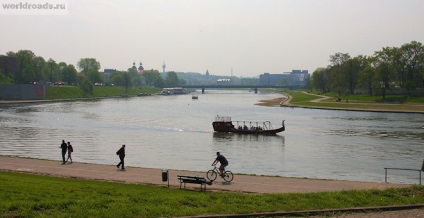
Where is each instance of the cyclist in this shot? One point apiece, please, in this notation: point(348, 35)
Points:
point(221, 159)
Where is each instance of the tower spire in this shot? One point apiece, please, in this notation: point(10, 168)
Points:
point(163, 67)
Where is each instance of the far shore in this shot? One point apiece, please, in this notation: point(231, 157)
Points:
point(56, 100)
point(285, 102)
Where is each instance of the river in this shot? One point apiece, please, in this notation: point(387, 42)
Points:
point(175, 132)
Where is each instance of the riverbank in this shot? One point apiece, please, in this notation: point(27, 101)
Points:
point(304, 190)
point(6, 102)
point(313, 101)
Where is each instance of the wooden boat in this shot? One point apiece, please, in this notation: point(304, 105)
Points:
point(224, 124)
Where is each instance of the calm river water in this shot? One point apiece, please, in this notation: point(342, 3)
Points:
point(175, 132)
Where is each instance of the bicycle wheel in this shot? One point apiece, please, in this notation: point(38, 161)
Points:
point(228, 176)
point(211, 175)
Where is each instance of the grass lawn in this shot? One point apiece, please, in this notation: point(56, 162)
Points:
point(27, 195)
point(70, 92)
point(362, 102)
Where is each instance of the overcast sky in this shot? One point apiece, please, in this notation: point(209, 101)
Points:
point(247, 37)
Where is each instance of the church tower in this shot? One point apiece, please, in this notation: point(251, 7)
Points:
point(140, 69)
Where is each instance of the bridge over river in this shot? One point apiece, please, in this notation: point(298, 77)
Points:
point(254, 87)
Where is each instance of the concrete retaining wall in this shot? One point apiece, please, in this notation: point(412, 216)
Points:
point(22, 92)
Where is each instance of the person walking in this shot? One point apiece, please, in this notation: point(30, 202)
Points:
point(121, 153)
point(70, 150)
point(221, 159)
point(64, 147)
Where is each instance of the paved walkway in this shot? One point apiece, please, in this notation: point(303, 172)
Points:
point(241, 183)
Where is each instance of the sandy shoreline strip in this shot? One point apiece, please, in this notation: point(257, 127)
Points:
point(271, 102)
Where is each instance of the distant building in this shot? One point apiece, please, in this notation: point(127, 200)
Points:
point(294, 78)
point(298, 77)
point(107, 73)
point(268, 79)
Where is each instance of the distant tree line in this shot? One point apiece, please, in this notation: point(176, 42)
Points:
point(391, 68)
point(24, 67)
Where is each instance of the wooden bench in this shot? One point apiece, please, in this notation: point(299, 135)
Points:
point(194, 180)
point(392, 168)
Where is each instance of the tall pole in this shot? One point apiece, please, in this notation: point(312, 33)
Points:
point(163, 67)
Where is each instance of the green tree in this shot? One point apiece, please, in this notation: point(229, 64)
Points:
point(127, 81)
point(367, 77)
point(60, 68)
point(87, 87)
point(171, 79)
point(39, 66)
point(383, 62)
point(26, 69)
point(121, 78)
point(87, 64)
point(117, 78)
point(94, 76)
point(135, 78)
point(52, 70)
point(352, 69)
point(319, 80)
point(337, 71)
point(5, 79)
point(411, 64)
point(153, 78)
point(69, 74)
point(339, 59)
point(137, 81)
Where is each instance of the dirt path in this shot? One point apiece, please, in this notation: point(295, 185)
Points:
point(241, 183)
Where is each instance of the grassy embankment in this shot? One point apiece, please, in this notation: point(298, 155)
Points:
point(26, 195)
point(72, 92)
point(362, 102)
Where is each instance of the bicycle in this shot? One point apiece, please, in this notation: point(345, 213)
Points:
point(212, 174)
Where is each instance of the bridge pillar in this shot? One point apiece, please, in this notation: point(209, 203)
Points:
point(256, 90)
point(203, 90)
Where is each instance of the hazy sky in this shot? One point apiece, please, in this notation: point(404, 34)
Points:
point(248, 36)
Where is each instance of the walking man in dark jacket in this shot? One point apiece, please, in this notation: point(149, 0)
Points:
point(121, 153)
point(64, 147)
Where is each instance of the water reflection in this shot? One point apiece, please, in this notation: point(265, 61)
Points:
point(219, 137)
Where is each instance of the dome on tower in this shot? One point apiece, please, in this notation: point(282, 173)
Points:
point(140, 69)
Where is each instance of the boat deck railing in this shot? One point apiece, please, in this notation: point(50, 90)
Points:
point(254, 125)
point(223, 118)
